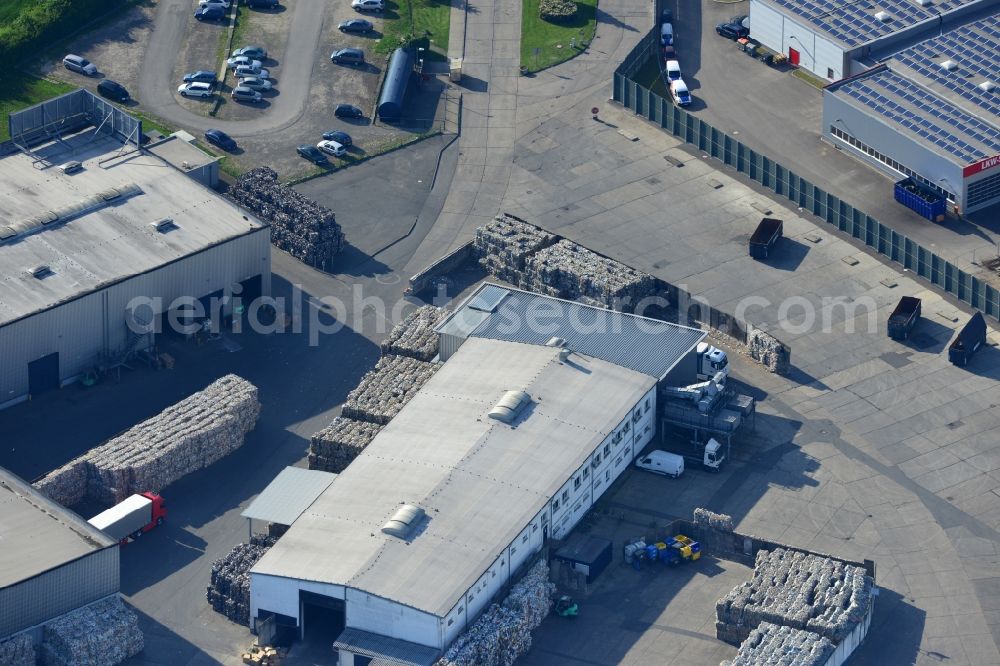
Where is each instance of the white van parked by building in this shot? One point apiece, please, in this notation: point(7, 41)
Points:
point(679, 91)
point(662, 462)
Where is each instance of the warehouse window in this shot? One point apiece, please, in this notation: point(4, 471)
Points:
point(450, 621)
point(627, 427)
point(565, 496)
point(647, 405)
point(984, 190)
point(607, 475)
point(555, 507)
point(597, 459)
point(829, 73)
point(586, 472)
point(607, 450)
point(524, 539)
point(889, 162)
point(576, 483)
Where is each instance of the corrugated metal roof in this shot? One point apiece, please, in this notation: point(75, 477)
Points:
point(288, 495)
point(37, 534)
point(385, 650)
point(645, 345)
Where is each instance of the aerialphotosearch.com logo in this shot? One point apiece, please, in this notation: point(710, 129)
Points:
point(319, 316)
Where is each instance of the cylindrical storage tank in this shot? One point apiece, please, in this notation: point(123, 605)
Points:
point(390, 102)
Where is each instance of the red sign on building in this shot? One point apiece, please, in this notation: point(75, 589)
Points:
point(980, 166)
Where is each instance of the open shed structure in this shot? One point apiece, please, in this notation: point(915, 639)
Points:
point(390, 102)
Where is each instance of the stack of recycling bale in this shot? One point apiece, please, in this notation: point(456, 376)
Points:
point(573, 272)
point(774, 645)
point(18, 651)
point(503, 633)
point(101, 634)
point(504, 245)
point(299, 225)
point(334, 447)
point(797, 590)
point(229, 591)
point(383, 391)
point(190, 435)
point(414, 336)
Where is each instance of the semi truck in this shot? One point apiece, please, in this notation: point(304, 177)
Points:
point(969, 340)
point(903, 318)
point(131, 517)
point(711, 362)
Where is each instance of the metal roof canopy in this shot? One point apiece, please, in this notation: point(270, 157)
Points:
point(288, 495)
point(643, 344)
point(382, 649)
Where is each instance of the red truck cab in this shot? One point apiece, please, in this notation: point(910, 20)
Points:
point(158, 513)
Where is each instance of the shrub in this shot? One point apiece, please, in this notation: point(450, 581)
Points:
point(557, 11)
point(45, 21)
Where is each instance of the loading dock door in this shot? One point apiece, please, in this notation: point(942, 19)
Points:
point(43, 374)
point(323, 617)
point(793, 56)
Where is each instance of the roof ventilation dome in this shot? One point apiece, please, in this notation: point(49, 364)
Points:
point(403, 521)
point(510, 406)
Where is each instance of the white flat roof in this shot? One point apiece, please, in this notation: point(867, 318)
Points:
point(480, 481)
point(36, 534)
point(288, 495)
point(111, 243)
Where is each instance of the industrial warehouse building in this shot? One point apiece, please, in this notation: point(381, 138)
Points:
point(540, 405)
point(914, 85)
point(52, 561)
point(930, 111)
point(77, 246)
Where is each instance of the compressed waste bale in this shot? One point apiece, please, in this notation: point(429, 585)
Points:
point(229, 590)
point(101, 634)
point(773, 645)
point(66, 485)
point(797, 590)
point(571, 271)
point(185, 437)
point(503, 245)
point(502, 634)
point(383, 391)
point(337, 445)
point(18, 651)
point(716, 521)
point(415, 336)
point(299, 225)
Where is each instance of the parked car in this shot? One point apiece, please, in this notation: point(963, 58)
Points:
point(348, 111)
point(195, 89)
point(355, 25)
point(673, 70)
point(368, 5)
point(332, 147)
point(210, 13)
point(255, 83)
point(667, 34)
point(679, 91)
point(667, 16)
point(202, 75)
point(732, 31)
point(244, 72)
point(266, 4)
point(253, 51)
point(243, 61)
point(79, 64)
point(738, 19)
point(312, 153)
point(113, 90)
point(669, 53)
point(244, 94)
point(343, 138)
point(219, 138)
point(222, 3)
point(348, 56)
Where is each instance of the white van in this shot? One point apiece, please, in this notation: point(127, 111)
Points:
point(673, 70)
point(679, 91)
point(662, 462)
point(667, 34)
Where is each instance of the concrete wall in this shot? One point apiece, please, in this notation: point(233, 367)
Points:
point(281, 595)
point(82, 329)
point(381, 616)
point(59, 591)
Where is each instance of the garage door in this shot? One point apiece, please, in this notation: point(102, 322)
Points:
point(43, 374)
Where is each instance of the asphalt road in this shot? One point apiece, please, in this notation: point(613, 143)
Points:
point(156, 84)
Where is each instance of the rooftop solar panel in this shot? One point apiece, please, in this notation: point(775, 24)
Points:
point(854, 23)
